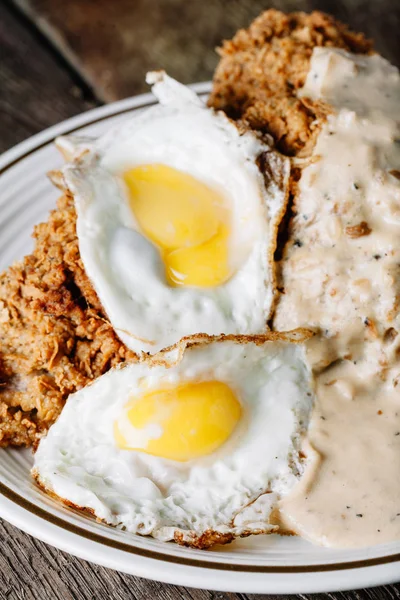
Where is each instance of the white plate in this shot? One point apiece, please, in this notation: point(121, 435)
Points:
point(267, 564)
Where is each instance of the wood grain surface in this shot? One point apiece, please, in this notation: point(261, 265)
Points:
point(37, 88)
point(113, 44)
point(46, 75)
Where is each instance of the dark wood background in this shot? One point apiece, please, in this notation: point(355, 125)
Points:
point(59, 58)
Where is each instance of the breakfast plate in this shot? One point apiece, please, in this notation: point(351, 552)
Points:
point(264, 564)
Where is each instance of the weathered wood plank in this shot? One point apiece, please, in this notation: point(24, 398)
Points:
point(30, 569)
point(36, 88)
point(113, 44)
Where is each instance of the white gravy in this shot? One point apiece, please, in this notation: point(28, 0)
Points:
point(341, 275)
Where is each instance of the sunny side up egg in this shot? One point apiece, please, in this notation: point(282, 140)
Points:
point(178, 212)
point(199, 453)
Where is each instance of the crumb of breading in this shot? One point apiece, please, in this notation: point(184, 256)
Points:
point(262, 68)
point(54, 337)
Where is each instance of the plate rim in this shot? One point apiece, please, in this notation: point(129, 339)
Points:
point(8, 160)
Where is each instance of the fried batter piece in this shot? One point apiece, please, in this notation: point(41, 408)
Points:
point(262, 68)
point(54, 337)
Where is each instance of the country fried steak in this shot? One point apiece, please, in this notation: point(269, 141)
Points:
point(54, 335)
point(262, 68)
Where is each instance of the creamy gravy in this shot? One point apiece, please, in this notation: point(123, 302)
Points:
point(341, 275)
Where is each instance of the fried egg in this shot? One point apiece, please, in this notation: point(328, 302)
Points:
point(178, 211)
point(198, 453)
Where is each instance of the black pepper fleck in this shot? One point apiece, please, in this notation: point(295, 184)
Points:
point(359, 515)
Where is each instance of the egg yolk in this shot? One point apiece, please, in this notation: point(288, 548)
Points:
point(179, 423)
point(186, 220)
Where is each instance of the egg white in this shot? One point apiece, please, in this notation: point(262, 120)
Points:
point(224, 492)
point(126, 269)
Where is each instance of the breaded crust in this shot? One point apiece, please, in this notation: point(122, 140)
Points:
point(262, 68)
point(54, 337)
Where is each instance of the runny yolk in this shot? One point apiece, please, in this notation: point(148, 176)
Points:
point(179, 423)
point(186, 220)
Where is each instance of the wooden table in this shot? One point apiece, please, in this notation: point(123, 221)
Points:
point(58, 59)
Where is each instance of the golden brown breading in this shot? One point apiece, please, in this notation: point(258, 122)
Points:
point(54, 338)
point(262, 68)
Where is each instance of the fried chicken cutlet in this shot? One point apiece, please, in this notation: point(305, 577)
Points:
point(262, 68)
point(54, 335)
